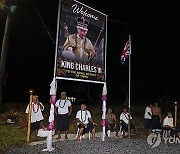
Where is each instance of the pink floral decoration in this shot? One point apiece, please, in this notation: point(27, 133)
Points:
point(104, 98)
point(53, 99)
point(103, 122)
point(51, 126)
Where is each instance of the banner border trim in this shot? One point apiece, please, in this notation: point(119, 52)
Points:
point(73, 79)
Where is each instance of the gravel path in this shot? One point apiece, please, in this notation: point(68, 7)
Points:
point(110, 146)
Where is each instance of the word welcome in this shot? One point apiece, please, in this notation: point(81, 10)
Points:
point(79, 10)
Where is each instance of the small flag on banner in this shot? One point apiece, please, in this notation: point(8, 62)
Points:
point(126, 52)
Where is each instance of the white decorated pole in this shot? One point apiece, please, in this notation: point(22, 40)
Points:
point(103, 123)
point(50, 130)
point(53, 85)
point(129, 106)
point(175, 119)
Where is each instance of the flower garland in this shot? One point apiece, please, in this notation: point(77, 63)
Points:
point(63, 105)
point(37, 109)
point(85, 116)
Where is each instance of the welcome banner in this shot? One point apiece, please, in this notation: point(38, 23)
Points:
point(80, 43)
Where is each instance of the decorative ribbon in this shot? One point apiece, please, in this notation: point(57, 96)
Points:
point(51, 126)
point(103, 122)
point(53, 99)
point(104, 97)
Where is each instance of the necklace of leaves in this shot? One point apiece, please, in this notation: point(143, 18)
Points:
point(85, 116)
point(126, 116)
point(37, 108)
point(63, 104)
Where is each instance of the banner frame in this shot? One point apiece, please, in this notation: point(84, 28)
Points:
point(57, 32)
point(56, 48)
point(73, 79)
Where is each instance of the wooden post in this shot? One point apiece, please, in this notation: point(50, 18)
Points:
point(29, 117)
point(175, 119)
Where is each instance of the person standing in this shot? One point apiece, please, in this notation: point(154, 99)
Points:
point(156, 117)
point(36, 114)
point(125, 117)
point(64, 107)
point(148, 117)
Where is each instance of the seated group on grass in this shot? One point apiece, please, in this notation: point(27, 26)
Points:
point(86, 124)
point(153, 121)
point(63, 110)
point(112, 124)
point(83, 118)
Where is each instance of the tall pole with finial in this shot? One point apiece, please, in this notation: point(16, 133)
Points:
point(175, 119)
point(29, 116)
point(129, 106)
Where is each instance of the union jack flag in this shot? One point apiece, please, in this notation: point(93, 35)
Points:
point(126, 52)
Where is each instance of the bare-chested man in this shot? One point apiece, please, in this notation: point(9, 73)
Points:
point(111, 123)
point(156, 116)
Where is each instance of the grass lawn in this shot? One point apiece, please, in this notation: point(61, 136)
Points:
point(11, 135)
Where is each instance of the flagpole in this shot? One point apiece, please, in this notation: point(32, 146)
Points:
point(129, 129)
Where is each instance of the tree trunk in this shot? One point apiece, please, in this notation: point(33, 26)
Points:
point(1, 94)
point(4, 55)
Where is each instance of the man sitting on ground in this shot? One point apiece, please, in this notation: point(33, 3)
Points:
point(85, 122)
point(111, 122)
point(124, 119)
point(168, 124)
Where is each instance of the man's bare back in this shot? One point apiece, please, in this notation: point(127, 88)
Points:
point(156, 110)
point(156, 116)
